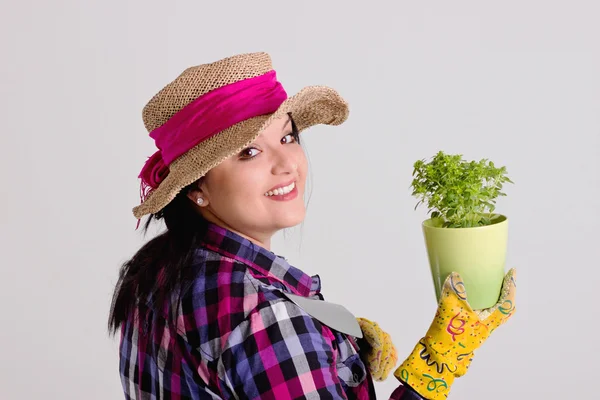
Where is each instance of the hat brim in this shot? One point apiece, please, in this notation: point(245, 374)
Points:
point(313, 105)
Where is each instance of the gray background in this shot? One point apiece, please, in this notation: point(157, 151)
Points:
point(515, 81)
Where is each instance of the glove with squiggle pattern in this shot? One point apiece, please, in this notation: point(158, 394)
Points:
point(378, 353)
point(457, 330)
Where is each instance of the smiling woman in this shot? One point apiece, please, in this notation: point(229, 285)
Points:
point(204, 309)
point(260, 190)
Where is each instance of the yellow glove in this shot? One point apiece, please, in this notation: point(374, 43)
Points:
point(378, 353)
point(446, 350)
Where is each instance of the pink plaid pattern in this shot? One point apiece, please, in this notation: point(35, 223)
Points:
point(231, 334)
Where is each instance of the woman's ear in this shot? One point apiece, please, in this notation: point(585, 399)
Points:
point(198, 194)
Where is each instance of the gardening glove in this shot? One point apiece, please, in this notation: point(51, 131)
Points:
point(446, 350)
point(377, 350)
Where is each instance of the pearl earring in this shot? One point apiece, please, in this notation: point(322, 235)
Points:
point(200, 201)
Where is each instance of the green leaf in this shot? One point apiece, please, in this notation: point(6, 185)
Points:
point(458, 191)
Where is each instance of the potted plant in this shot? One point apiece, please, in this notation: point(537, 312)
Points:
point(463, 234)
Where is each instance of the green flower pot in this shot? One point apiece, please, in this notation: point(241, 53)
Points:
point(478, 254)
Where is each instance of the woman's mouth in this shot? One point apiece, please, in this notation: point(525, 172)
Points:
point(288, 192)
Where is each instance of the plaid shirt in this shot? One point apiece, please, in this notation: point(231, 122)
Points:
point(233, 335)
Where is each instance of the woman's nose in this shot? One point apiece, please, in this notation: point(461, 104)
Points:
point(284, 164)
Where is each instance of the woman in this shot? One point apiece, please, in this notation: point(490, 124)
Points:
point(206, 309)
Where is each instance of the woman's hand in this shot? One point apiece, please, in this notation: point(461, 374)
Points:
point(446, 350)
point(377, 351)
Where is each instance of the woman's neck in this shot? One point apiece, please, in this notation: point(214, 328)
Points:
point(256, 238)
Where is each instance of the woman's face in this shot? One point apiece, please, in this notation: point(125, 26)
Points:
point(260, 190)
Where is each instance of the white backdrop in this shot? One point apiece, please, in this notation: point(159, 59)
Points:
point(517, 82)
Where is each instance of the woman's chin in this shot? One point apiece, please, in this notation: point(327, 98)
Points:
point(290, 219)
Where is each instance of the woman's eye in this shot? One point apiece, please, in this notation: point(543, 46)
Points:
point(289, 138)
point(249, 153)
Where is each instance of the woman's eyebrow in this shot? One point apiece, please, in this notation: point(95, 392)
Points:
point(286, 124)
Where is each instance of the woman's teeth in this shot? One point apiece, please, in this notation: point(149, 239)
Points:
point(281, 191)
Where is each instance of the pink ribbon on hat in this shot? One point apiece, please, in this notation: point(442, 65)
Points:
point(206, 116)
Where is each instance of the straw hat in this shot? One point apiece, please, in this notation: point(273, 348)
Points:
point(213, 111)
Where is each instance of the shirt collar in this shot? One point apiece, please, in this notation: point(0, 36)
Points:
point(232, 245)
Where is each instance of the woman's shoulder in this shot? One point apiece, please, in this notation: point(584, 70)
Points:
point(222, 294)
point(235, 277)
point(218, 281)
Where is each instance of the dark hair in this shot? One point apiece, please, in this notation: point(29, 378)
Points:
point(163, 265)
